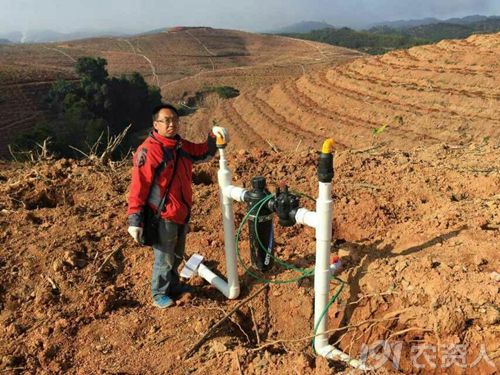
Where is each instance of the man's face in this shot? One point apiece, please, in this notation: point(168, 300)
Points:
point(167, 123)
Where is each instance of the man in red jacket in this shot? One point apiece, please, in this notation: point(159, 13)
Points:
point(152, 174)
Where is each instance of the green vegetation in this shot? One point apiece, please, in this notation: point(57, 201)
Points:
point(382, 39)
point(193, 102)
point(79, 113)
point(224, 92)
point(379, 130)
point(365, 41)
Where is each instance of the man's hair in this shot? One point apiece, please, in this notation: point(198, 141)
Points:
point(158, 108)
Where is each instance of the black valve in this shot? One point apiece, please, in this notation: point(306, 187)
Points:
point(285, 204)
point(261, 259)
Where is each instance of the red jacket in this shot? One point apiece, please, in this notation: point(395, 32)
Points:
point(153, 169)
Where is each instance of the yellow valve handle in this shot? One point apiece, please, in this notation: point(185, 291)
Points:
point(327, 146)
point(220, 140)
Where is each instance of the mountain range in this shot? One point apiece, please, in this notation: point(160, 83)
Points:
point(47, 36)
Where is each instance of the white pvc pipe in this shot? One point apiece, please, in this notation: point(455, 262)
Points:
point(329, 351)
point(322, 277)
point(234, 192)
point(217, 281)
point(306, 217)
point(322, 267)
point(231, 289)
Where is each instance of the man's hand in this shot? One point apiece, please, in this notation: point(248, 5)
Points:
point(136, 233)
point(222, 132)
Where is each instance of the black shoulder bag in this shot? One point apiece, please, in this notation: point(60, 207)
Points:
point(151, 220)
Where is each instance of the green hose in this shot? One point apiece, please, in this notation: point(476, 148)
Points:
point(258, 206)
point(305, 272)
point(332, 300)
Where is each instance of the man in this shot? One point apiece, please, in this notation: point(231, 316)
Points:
point(153, 173)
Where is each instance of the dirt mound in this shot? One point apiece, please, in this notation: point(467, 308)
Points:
point(417, 231)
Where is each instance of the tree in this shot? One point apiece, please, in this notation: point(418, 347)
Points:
point(81, 112)
point(92, 69)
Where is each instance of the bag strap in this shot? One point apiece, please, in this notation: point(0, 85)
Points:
point(163, 201)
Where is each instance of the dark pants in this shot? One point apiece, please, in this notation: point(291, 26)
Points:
point(168, 253)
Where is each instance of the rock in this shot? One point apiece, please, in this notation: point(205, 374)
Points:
point(218, 347)
point(480, 261)
point(106, 301)
point(400, 266)
point(344, 252)
point(491, 316)
point(57, 265)
point(8, 361)
point(263, 362)
point(185, 298)
point(61, 323)
point(199, 326)
point(70, 258)
point(495, 276)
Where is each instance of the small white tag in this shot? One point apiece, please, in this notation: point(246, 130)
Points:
point(191, 266)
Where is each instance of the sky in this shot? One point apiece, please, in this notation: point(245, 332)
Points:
point(258, 15)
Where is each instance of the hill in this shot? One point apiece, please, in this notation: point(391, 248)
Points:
point(447, 92)
point(405, 24)
point(48, 36)
point(181, 61)
point(446, 30)
point(381, 41)
point(302, 27)
point(405, 34)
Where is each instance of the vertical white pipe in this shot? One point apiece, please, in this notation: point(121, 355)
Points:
point(224, 178)
point(322, 278)
point(322, 268)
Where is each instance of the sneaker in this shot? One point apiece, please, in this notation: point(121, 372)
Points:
point(179, 289)
point(163, 302)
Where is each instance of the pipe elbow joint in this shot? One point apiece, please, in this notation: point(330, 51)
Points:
point(233, 292)
point(330, 352)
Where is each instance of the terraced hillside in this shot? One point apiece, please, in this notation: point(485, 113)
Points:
point(180, 61)
point(446, 92)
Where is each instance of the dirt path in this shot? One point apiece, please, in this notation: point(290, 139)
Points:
point(153, 69)
point(62, 53)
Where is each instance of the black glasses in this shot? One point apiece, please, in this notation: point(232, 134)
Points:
point(169, 120)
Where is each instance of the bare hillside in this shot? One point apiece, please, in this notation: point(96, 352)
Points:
point(425, 95)
point(179, 62)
